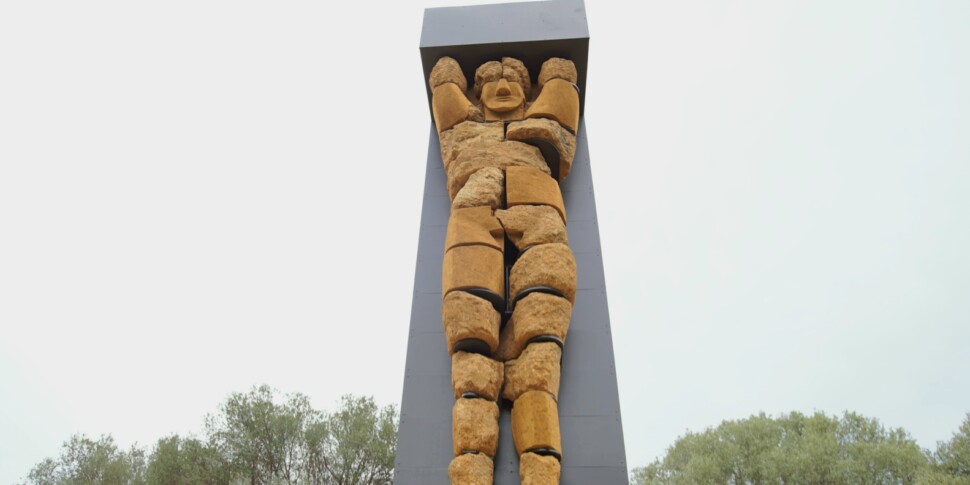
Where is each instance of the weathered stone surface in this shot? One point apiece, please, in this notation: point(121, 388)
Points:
point(449, 106)
point(538, 470)
point(530, 225)
point(472, 469)
point(476, 373)
point(515, 71)
point(466, 316)
point(475, 114)
point(485, 187)
point(477, 156)
point(447, 70)
point(466, 133)
point(559, 101)
point(557, 68)
point(535, 315)
point(551, 131)
point(551, 265)
point(537, 369)
point(527, 186)
point(489, 72)
point(535, 422)
point(470, 267)
point(474, 426)
point(474, 226)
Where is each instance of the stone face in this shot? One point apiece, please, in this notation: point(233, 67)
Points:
point(528, 186)
point(550, 131)
point(489, 72)
point(466, 133)
point(449, 106)
point(515, 71)
point(477, 156)
point(466, 316)
point(557, 68)
point(558, 101)
point(474, 426)
point(485, 187)
point(537, 369)
point(476, 373)
point(535, 315)
point(531, 225)
point(549, 265)
point(503, 101)
point(535, 422)
point(472, 469)
point(447, 70)
point(474, 226)
point(538, 470)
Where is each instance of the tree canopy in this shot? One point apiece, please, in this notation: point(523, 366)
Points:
point(800, 449)
point(255, 438)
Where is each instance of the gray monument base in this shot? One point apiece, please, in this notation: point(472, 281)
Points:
point(589, 408)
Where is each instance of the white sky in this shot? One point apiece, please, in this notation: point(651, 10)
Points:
point(198, 196)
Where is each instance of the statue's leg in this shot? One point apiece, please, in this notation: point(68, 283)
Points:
point(542, 287)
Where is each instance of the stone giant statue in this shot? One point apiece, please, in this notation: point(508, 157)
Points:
point(509, 276)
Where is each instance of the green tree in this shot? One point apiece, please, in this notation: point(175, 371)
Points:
point(791, 449)
point(84, 461)
point(265, 442)
point(186, 461)
point(953, 457)
point(354, 446)
point(255, 438)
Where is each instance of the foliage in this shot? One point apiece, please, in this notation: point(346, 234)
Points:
point(357, 444)
point(254, 438)
point(953, 457)
point(178, 461)
point(84, 461)
point(793, 449)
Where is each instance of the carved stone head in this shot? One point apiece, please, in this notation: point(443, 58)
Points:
point(503, 88)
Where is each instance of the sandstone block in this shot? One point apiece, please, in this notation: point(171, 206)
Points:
point(467, 317)
point(515, 71)
point(489, 72)
point(557, 68)
point(528, 186)
point(447, 70)
point(474, 268)
point(474, 226)
point(485, 187)
point(549, 131)
point(549, 265)
point(467, 133)
point(538, 470)
point(474, 426)
point(471, 469)
point(531, 225)
point(537, 369)
point(476, 373)
point(475, 157)
point(535, 423)
point(535, 315)
point(449, 106)
point(558, 101)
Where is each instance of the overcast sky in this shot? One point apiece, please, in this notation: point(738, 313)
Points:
point(197, 196)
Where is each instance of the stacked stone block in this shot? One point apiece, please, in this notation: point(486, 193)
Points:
point(509, 276)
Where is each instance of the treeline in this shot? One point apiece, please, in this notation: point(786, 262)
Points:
point(255, 438)
point(818, 449)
